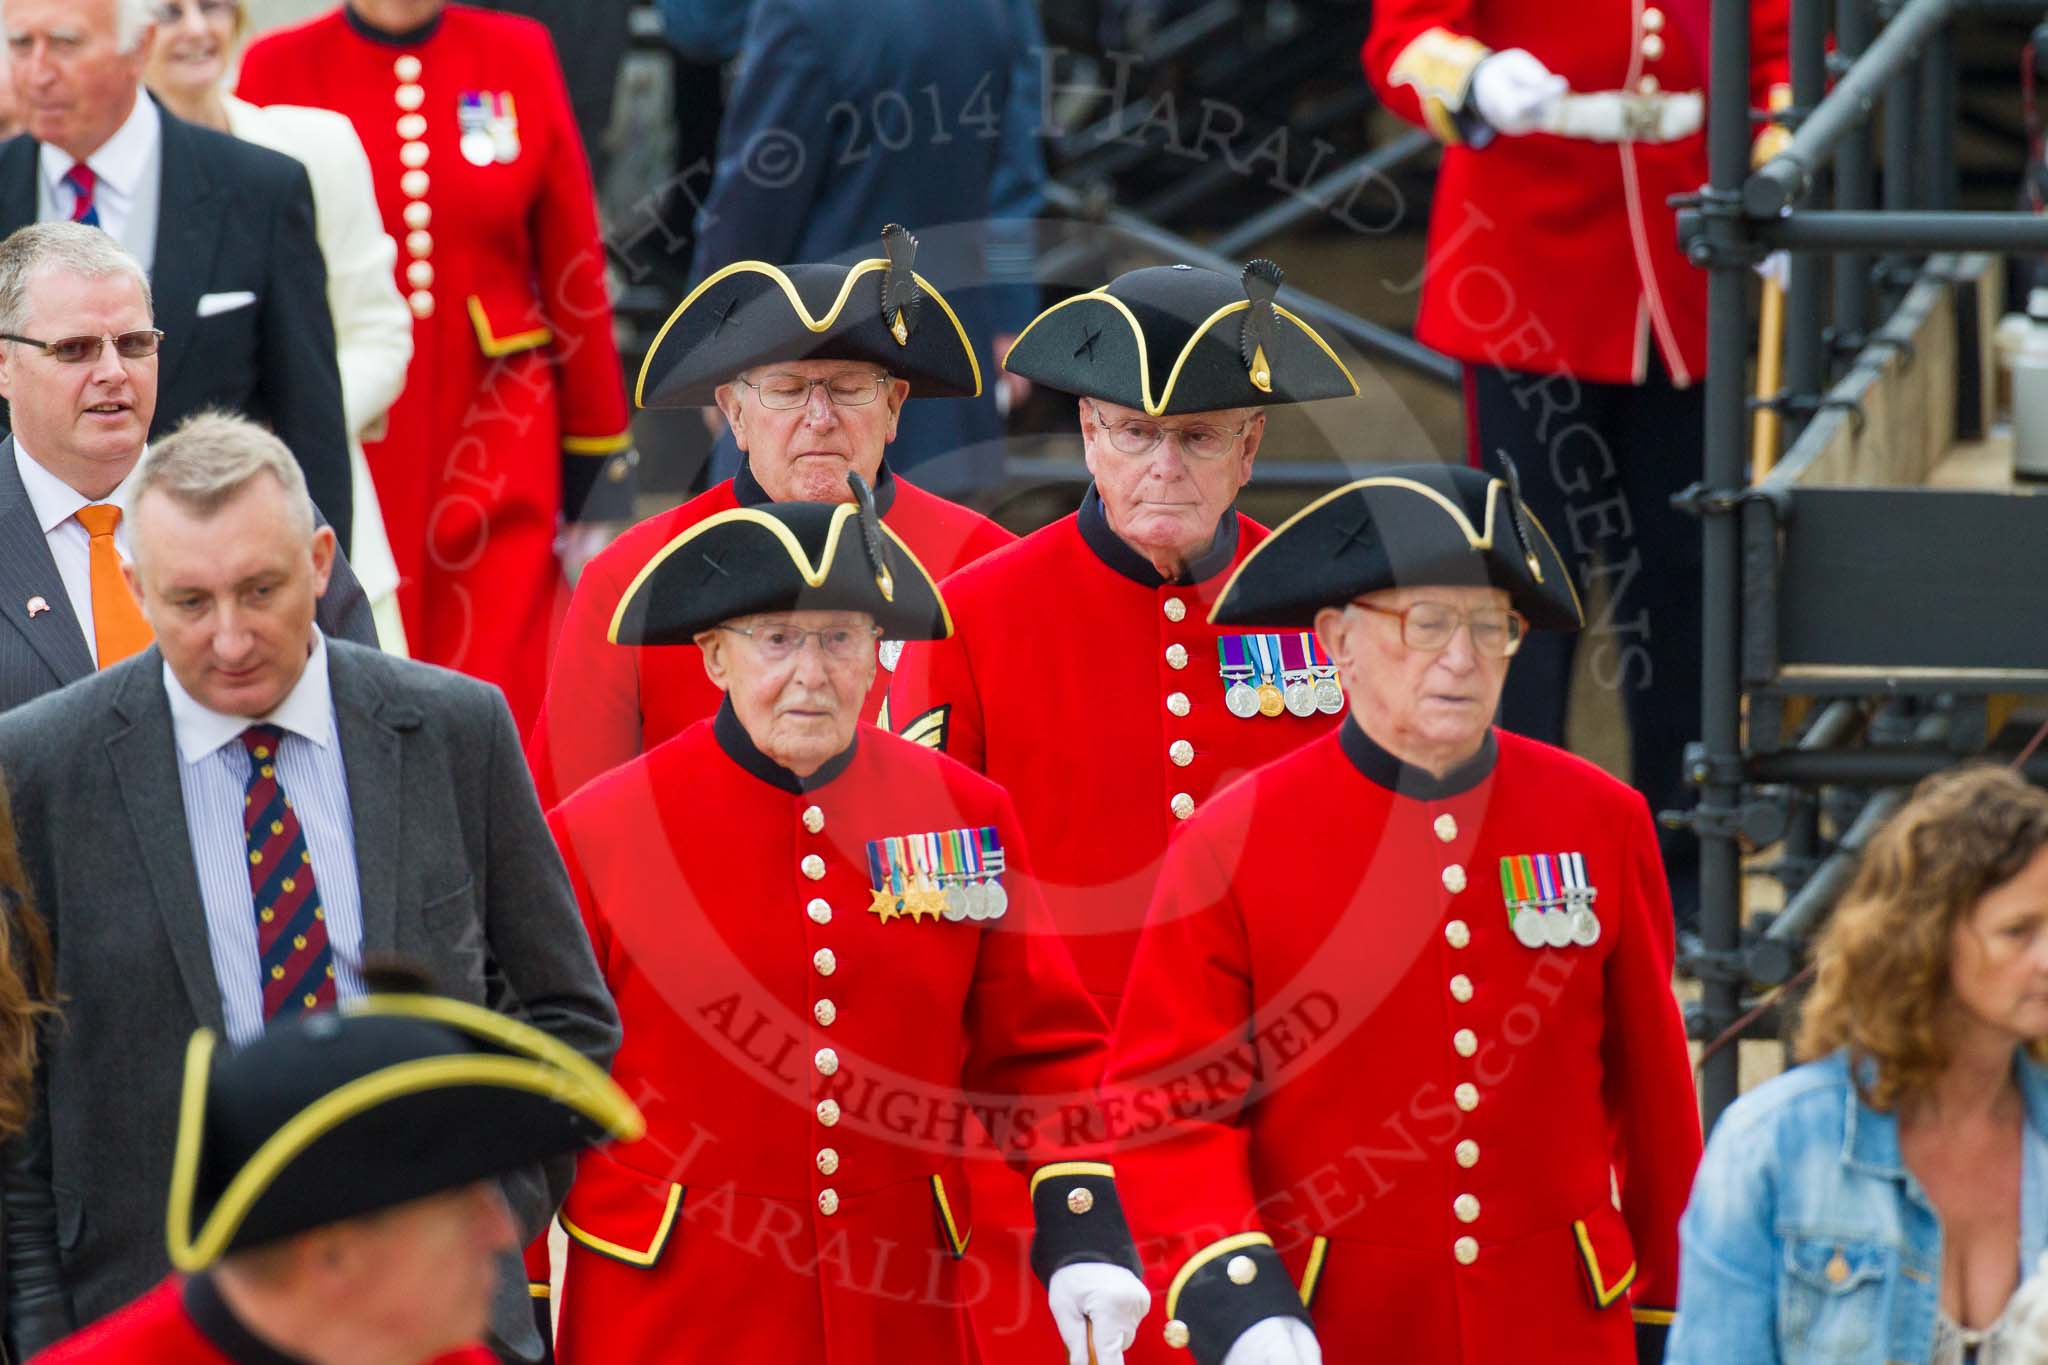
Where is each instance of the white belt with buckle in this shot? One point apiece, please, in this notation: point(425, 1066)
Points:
point(1626, 116)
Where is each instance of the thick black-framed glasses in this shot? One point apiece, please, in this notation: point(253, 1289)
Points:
point(83, 350)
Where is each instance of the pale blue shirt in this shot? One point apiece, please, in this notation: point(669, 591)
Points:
point(213, 775)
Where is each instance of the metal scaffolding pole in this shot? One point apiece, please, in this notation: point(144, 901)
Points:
point(1915, 230)
point(1718, 770)
point(1805, 355)
point(1785, 179)
point(1855, 182)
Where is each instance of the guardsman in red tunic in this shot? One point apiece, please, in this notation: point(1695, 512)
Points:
point(1399, 1060)
point(1554, 273)
point(513, 415)
point(1083, 674)
point(834, 969)
point(334, 1191)
point(751, 338)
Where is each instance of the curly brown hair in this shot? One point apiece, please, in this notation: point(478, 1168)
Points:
point(1883, 959)
point(26, 977)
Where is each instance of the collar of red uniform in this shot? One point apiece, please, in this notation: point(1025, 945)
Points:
point(224, 1331)
point(409, 38)
point(1417, 784)
point(1110, 548)
point(739, 747)
point(747, 490)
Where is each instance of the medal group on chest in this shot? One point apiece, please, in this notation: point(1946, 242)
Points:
point(1268, 675)
point(954, 875)
point(1549, 901)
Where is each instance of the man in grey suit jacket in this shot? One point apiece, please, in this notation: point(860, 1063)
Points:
point(61, 280)
point(220, 829)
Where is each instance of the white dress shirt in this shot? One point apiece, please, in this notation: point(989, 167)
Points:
point(129, 169)
point(56, 505)
point(213, 775)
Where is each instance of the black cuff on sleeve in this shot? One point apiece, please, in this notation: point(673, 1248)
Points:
point(1233, 1284)
point(1079, 1219)
point(599, 487)
point(1650, 1342)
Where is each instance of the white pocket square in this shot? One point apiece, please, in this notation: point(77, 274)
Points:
point(212, 304)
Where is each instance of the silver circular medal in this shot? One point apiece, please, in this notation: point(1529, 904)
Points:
point(1585, 927)
point(998, 900)
point(889, 652)
point(1557, 928)
point(975, 899)
point(1301, 699)
point(505, 143)
point(1529, 927)
point(956, 902)
point(1329, 696)
point(477, 148)
point(1243, 700)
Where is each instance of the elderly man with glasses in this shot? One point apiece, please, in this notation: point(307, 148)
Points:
point(836, 973)
point(1399, 1064)
point(1084, 675)
point(811, 365)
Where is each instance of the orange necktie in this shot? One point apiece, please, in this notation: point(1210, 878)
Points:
point(117, 625)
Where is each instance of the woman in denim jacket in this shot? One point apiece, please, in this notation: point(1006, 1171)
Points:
point(1879, 1202)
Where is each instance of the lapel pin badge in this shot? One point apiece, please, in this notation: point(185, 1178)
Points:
point(36, 607)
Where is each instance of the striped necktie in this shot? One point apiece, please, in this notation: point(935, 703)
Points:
point(291, 925)
point(82, 182)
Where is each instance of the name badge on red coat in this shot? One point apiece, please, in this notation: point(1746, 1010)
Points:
point(1549, 901)
point(954, 875)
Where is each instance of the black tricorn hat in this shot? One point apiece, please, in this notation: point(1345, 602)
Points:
point(782, 556)
point(390, 1098)
point(1175, 339)
point(1418, 525)
point(753, 313)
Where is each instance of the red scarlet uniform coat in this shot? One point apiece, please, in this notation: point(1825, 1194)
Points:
point(515, 389)
point(607, 703)
point(185, 1323)
point(809, 1071)
point(1089, 688)
point(1437, 1107)
point(1559, 254)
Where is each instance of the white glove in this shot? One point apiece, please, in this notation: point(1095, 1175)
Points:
point(1275, 1341)
point(1514, 92)
point(1108, 1296)
point(1776, 268)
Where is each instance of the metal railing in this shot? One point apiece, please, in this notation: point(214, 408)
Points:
point(1898, 59)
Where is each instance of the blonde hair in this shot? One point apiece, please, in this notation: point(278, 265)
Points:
point(212, 456)
point(70, 248)
point(1884, 975)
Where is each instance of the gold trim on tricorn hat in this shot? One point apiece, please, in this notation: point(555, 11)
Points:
point(1112, 343)
point(1407, 526)
point(782, 556)
point(387, 1099)
point(753, 313)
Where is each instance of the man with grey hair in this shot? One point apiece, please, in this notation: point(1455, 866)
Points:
point(79, 359)
point(223, 228)
point(229, 824)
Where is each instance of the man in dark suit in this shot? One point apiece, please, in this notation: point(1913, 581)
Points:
point(79, 428)
point(227, 825)
point(224, 228)
point(836, 123)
